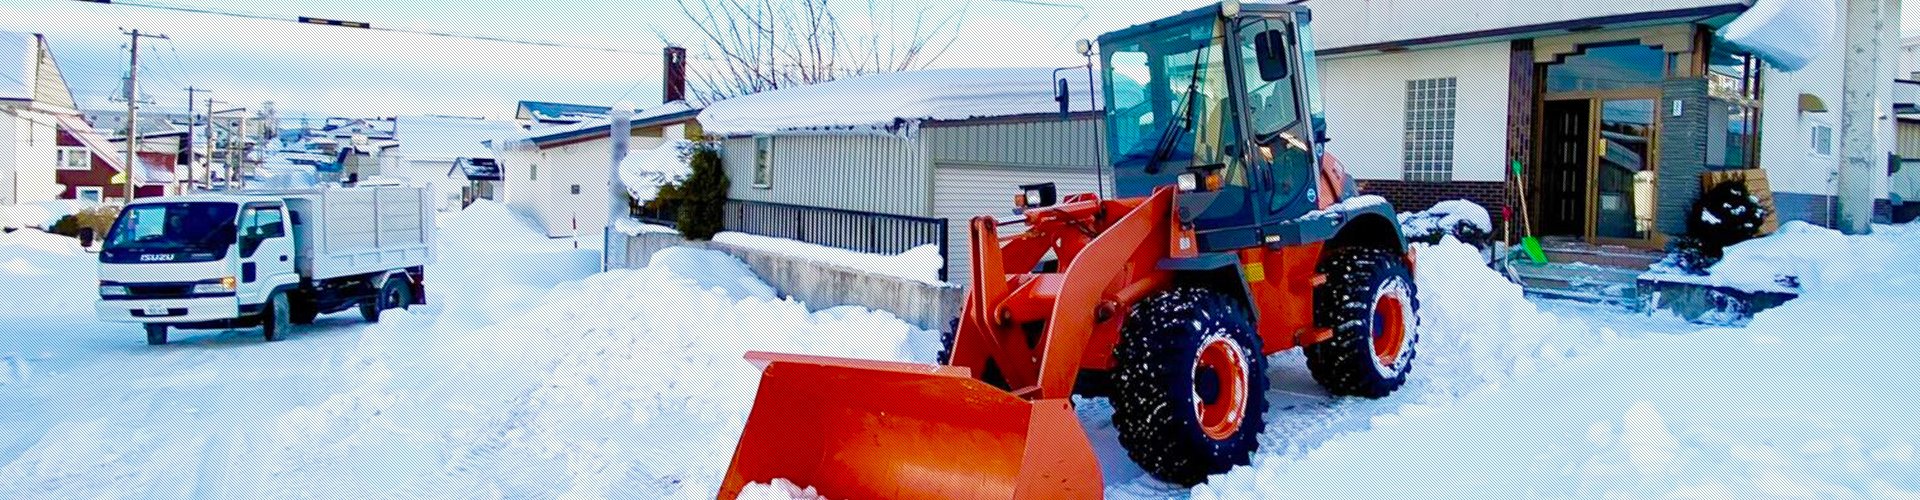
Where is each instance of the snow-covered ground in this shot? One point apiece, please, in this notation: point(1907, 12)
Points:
point(531, 375)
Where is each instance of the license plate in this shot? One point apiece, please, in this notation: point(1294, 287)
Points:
point(155, 310)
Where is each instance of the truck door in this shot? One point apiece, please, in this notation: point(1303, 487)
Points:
point(266, 252)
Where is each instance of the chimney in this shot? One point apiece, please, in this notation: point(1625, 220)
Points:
point(675, 87)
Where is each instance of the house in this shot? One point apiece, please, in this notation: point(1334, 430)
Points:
point(558, 176)
point(1612, 110)
point(553, 113)
point(428, 146)
point(33, 99)
point(940, 144)
point(92, 167)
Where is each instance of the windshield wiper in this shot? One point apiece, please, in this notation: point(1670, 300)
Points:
point(1181, 119)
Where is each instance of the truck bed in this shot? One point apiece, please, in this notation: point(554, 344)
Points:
point(351, 231)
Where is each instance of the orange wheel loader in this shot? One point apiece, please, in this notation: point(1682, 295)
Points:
point(1233, 236)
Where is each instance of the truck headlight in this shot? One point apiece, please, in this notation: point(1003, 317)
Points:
point(114, 291)
point(225, 285)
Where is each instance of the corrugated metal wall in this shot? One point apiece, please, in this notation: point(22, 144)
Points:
point(867, 173)
point(979, 168)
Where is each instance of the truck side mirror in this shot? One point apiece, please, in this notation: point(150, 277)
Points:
point(1061, 96)
point(86, 238)
point(1269, 49)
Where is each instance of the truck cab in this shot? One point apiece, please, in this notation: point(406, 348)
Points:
point(269, 259)
point(195, 259)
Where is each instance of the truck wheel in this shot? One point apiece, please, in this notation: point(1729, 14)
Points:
point(394, 294)
point(1190, 385)
point(156, 334)
point(1370, 303)
point(278, 320)
point(302, 311)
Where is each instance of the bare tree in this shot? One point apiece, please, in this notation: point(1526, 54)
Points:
point(754, 46)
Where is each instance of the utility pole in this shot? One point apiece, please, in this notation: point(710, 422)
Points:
point(207, 167)
point(133, 109)
point(191, 91)
point(1859, 114)
point(241, 146)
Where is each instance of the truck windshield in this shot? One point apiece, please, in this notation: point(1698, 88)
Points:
point(171, 232)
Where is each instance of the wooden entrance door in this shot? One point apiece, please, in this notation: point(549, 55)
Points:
point(1566, 148)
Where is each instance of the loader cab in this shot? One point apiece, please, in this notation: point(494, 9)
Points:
point(1221, 102)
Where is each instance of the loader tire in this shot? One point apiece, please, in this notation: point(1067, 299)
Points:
point(1190, 385)
point(1370, 302)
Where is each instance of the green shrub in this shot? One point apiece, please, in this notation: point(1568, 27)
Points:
point(99, 218)
point(702, 198)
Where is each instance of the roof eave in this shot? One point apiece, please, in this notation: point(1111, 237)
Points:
point(1524, 31)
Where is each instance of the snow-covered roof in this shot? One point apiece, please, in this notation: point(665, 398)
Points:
point(665, 113)
point(556, 111)
point(1786, 33)
point(446, 137)
point(17, 54)
point(895, 103)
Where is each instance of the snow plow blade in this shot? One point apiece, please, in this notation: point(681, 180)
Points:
point(857, 429)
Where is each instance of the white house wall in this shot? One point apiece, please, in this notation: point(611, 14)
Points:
point(28, 157)
point(1366, 99)
point(1785, 143)
point(881, 174)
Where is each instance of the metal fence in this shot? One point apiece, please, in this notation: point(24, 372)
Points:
point(852, 230)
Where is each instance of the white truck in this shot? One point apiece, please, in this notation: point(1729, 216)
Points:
point(265, 258)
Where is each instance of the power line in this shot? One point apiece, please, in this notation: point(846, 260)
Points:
point(359, 25)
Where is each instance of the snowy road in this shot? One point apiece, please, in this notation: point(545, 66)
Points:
point(530, 376)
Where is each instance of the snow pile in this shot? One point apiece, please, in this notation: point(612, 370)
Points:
point(921, 263)
point(893, 103)
point(39, 215)
point(781, 489)
point(1802, 256)
point(647, 171)
point(45, 274)
point(1805, 402)
point(500, 262)
point(1461, 218)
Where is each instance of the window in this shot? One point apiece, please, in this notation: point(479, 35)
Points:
point(75, 159)
point(1429, 130)
point(1821, 140)
point(1610, 66)
point(763, 162)
point(92, 194)
point(265, 223)
point(533, 172)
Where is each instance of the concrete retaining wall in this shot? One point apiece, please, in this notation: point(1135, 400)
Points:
point(819, 285)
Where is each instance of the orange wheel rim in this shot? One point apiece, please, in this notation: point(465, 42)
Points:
point(1389, 328)
point(1220, 361)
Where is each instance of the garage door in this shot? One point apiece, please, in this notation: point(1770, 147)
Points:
point(961, 192)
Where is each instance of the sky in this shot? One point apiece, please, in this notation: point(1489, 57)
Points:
point(320, 71)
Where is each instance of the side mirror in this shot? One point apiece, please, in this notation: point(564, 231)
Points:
point(1269, 48)
point(1061, 96)
point(86, 238)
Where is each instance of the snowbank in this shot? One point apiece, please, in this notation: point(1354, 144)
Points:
point(780, 489)
point(1802, 256)
point(44, 275)
point(644, 173)
point(894, 103)
point(921, 263)
point(498, 262)
point(633, 227)
point(40, 215)
point(1460, 218)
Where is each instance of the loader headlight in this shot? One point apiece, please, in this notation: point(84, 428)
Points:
point(1200, 179)
point(1189, 181)
point(114, 291)
point(223, 286)
point(1036, 195)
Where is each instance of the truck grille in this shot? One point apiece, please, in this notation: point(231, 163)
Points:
point(170, 291)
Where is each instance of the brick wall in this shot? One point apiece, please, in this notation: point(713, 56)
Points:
point(1410, 196)
point(1683, 152)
